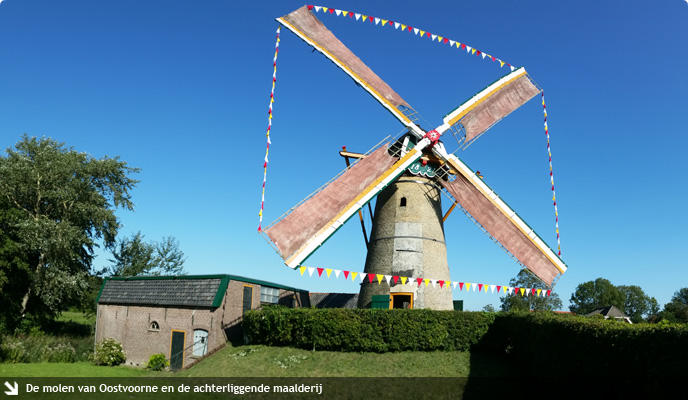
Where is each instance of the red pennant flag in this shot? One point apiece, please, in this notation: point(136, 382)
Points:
point(396, 279)
point(477, 53)
point(346, 274)
point(310, 7)
point(498, 287)
point(410, 29)
point(419, 280)
point(494, 59)
point(480, 287)
point(320, 271)
point(446, 40)
point(371, 19)
point(516, 290)
point(460, 285)
point(533, 290)
point(441, 283)
point(548, 293)
point(371, 277)
point(428, 33)
point(259, 228)
point(351, 15)
point(463, 46)
point(331, 10)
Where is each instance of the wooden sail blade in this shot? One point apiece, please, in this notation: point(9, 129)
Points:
point(301, 232)
point(482, 111)
point(305, 25)
point(500, 221)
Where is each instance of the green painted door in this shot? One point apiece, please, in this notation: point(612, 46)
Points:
point(248, 299)
point(380, 301)
point(177, 350)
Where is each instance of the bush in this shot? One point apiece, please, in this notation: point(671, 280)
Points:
point(109, 352)
point(366, 329)
point(38, 348)
point(157, 362)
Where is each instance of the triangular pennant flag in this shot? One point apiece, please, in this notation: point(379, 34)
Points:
point(422, 33)
point(516, 290)
point(433, 281)
point(472, 51)
point(441, 282)
point(371, 277)
point(480, 287)
point(498, 288)
point(379, 278)
point(502, 63)
point(331, 10)
point(317, 8)
point(455, 283)
point(433, 37)
point(461, 286)
point(357, 16)
point(522, 290)
point(474, 285)
point(310, 271)
point(345, 13)
point(533, 290)
point(371, 19)
point(396, 25)
point(468, 286)
point(336, 273)
point(388, 278)
point(419, 280)
point(384, 21)
point(377, 21)
point(427, 282)
point(302, 269)
point(362, 275)
point(484, 55)
point(549, 292)
point(396, 279)
point(403, 280)
point(338, 12)
point(346, 274)
point(486, 287)
point(325, 9)
point(310, 7)
point(468, 49)
point(403, 27)
point(538, 292)
point(512, 67)
point(451, 43)
point(329, 271)
point(415, 30)
point(320, 271)
point(492, 287)
point(353, 276)
point(364, 18)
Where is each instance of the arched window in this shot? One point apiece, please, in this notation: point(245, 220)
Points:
point(403, 202)
point(200, 347)
point(154, 326)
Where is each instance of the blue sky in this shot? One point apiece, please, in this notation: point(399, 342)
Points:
point(180, 89)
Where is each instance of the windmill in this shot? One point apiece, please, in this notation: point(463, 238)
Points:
point(408, 176)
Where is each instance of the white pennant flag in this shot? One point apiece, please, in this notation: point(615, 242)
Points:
point(388, 278)
point(317, 8)
point(433, 37)
point(338, 12)
point(310, 271)
point(455, 283)
point(510, 290)
point(492, 287)
point(377, 21)
point(434, 282)
point(357, 16)
point(415, 30)
point(451, 43)
point(512, 68)
point(483, 56)
point(474, 286)
point(396, 25)
point(362, 275)
point(468, 49)
point(336, 273)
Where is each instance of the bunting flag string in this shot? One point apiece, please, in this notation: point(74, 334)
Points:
point(551, 175)
point(406, 28)
point(438, 284)
point(267, 134)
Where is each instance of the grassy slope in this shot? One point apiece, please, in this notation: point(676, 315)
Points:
point(262, 361)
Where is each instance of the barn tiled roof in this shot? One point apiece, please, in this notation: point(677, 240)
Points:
point(190, 291)
point(334, 300)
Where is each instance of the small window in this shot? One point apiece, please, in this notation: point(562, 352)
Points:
point(154, 326)
point(269, 295)
point(403, 202)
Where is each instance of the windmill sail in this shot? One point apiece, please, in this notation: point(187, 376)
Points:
point(501, 222)
point(305, 25)
point(482, 111)
point(301, 232)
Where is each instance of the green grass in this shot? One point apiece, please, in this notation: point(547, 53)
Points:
point(77, 317)
point(263, 361)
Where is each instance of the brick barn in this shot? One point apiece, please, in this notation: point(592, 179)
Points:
point(183, 317)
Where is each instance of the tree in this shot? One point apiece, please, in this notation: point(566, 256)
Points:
point(677, 309)
point(636, 303)
point(595, 294)
point(529, 303)
point(57, 205)
point(133, 256)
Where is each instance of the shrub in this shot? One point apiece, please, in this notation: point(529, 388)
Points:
point(157, 362)
point(109, 352)
point(37, 348)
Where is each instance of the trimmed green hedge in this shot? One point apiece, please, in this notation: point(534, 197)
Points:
point(365, 329)
point(546, 344)
point(540, 344)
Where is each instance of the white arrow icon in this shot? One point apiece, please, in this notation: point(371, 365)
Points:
point(13, 391)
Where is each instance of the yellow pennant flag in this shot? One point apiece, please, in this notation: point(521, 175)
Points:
point(329, 271)
point(468, 286)
point(403, 280)
point(384, 21)
point(379, 278)
point(426, 282)
point(502, 63)
point(523, 290)
point(472, 51)
point(439, 38)
point(302, 269)
point(345, 13)
point(325, 9)
point(538, 292)
point(486, 286)
point(422, 33)
point(364, 18)
point(353, 276)
point(403, 27)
